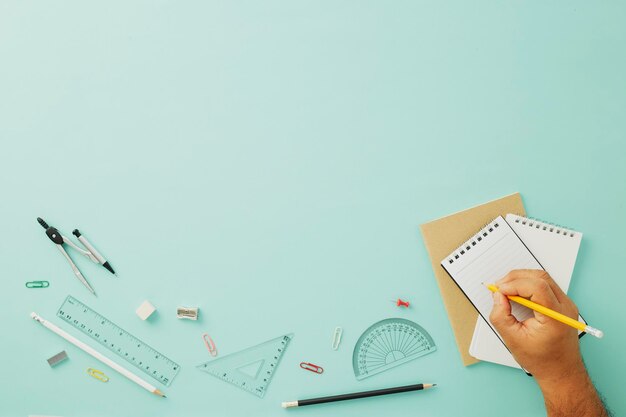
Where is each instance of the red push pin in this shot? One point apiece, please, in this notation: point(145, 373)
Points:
point(401, 303)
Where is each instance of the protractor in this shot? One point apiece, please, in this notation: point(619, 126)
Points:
point(389, 343)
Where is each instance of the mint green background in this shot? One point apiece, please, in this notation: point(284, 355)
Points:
point(270, 162)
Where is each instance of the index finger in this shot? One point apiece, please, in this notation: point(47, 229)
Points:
point(535, 273)
point(535, 289)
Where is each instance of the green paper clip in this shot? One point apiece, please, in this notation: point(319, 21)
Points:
point(37, 284)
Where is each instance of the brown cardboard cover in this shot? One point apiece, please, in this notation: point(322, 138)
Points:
point(444, 235)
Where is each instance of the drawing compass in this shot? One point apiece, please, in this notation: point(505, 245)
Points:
point(90, 252)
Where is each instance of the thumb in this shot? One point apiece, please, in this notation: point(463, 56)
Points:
point(501, 318)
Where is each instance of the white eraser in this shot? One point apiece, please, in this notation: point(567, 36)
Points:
point(145, 310)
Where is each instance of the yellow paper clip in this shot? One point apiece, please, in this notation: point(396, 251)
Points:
point(99, 375)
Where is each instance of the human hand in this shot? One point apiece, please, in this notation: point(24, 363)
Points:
point(546, 348)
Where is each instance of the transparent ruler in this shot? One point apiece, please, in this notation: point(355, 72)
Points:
point(119, 341)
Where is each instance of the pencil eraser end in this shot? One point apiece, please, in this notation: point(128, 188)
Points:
point(33, 315)
point(289, 404)
point(594, 332)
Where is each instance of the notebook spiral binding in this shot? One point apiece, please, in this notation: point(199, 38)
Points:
point(488, 228)
point(483, 233)
point(548, 227)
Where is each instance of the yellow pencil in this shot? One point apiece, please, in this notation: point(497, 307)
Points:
point(550, 313)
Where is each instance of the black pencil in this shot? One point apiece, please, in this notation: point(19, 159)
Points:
point(353, 396)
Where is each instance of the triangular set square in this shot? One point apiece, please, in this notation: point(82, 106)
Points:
point(251, 369)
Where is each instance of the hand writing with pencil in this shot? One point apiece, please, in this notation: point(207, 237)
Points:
point(545, 347)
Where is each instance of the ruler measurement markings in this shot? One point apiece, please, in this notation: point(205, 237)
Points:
point(119, 341)
point(258, 384)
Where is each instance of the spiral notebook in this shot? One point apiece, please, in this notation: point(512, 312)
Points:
point(492, 253)
point(556, 250)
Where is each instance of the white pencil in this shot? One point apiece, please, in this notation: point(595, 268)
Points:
point(96, 354)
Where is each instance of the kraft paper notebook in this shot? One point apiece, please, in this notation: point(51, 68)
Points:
point(556, 249)
point(441, 237)
point(486, 257)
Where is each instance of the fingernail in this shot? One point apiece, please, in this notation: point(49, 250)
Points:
point(496, 298)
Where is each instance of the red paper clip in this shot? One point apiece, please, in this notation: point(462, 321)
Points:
point(210, 345)
point(401, 303)
point(311, 367)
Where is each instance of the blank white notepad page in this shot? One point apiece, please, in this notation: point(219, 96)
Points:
point(556, 249)
point(486, 257)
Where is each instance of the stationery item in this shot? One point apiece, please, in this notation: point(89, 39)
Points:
point(312, 367)
point(251, 369)
point(551, 313)
point(91, 351)
point(190, 313)
point(556, 249)
point(486, 257)
point(210, 345)
point(59, 240)
point(400, 303)
point(440, 238)
point(99, 375)
point(57, 359)
point(356, 395)
point(119, 341)
point(37, 284)
point(337, 338)
point(93, 250)
point(145, 310)
point(389, 343)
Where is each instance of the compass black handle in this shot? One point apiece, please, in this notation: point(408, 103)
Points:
point(51, 232)
point(42, 222)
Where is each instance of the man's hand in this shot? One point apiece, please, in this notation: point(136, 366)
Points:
point(546, 348)
point(543, 346)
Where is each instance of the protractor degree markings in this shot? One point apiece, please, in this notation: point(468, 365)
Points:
point(414, 340)
point(382, 340)
point(401, 335)
point(403, 339)
point(375, 367)
point(414, 343)
point(400, 338)
point(375, 352)
point(379, 361)
point(417, 350)
point(379, 345)
point(379, 341)
point(396, 339)
point(388, 340)
point(410, 341)
point(392, 336)
point(374, 355)
point(410, 337)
